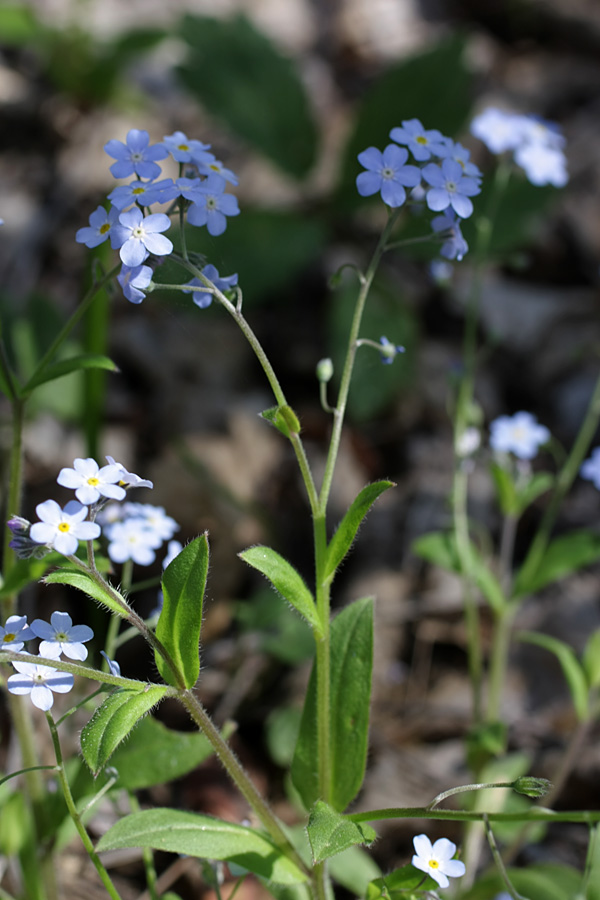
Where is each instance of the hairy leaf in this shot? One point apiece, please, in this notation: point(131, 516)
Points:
point(284, 578)
point(344, 536)
point(204, 837)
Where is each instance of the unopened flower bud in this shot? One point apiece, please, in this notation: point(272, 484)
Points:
point(21, 544)
point(531, 787)
point(324, 370)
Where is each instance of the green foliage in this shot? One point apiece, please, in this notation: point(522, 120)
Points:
point(18, 25)
point(439, 547)
point(537, 882)
point(350, 689)
point(329, 832)
point(242, 79)
point(112, 722)
point(433, 87)
point(514, 499)
point(591, 659)
point(399, 884)
point(374, 386)
point(346, 532)
point(484, 742)
point(66, 366)
point(27, 571)
point(204, 837)
point(154, 754)
point(280, 632)
point(180, 621)
point(84, 583)
point(572, 669)
point(564, 555)
point(284, 579)
point(519, 209)
point(591, 886)
point(281, 734)
point(354, 869)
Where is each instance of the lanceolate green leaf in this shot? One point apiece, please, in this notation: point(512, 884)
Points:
point(113, 721)
point(572, 668)
point(329, 832)
point(90, 587)
point(565, 554)
point(346, 532)
point(440, 548)
point(284, 578)
point(204, 837)
point(241, 77)
point(66, 366)
point(178, 628)
point(351, 668)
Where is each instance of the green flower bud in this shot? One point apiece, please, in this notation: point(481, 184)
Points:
point(531, 787)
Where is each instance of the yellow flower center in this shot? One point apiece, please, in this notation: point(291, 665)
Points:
point(434, 864)
point(8, 638)
point(421, 139)
point(64, 527)
point(104, 228)
point(93, 481)
point(183, 146)
point(138, 190)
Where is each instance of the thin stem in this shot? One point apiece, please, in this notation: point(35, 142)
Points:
point(239, 776)
point(323, 659)
point(340, 407)
point(535, 814)
point(463, 546)
point(83, 671)
point(72, 322)
point(463, 788)
point(498, 860)
point(564, 480)
point(499, 661)
point(85, 838)
point(236, 314)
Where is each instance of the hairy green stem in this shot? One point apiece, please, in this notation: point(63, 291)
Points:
point(85, 838)
point(535, 814)
point(240, 777)
point(498, 860)
point(323, 660)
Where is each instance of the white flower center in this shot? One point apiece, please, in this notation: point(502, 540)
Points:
point(451, 187)
point(387, 173)
point(138, 232)
point(211, 203)
point(137, 157)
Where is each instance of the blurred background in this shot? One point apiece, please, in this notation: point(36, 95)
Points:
point(287, 93)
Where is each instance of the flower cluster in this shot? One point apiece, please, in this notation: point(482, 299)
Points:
point(537, 146)
point(135, 531)
point(139, 234)
point(59, 636)
point(444, 176)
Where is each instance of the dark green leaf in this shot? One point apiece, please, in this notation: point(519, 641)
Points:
point(348, 527)
point(398, 883)
point(285, 579)
point(433, 87)
point(204, 837)
point(243, 80)
point(329, 832)
point(113, 721)
point(354, 869)
point(178, 627)
point(84, 583)
point(351, 668)
point(564, 555)
point(67, 366)
point(440, 548)
point(174, 753)
point(572, 668)
point(538, 485)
